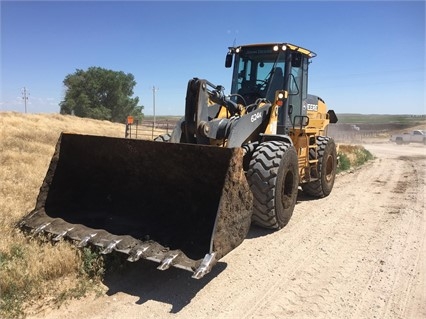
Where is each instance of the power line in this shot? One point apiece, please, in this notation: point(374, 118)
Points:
point(25, 94)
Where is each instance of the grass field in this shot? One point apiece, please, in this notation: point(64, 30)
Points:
point(30, 270)
point(407, 120)
point(36, 273)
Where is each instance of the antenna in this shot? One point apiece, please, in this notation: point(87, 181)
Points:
point(25, 94)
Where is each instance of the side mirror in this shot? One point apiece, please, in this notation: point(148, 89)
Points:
point(332, 116)
point(228, 60)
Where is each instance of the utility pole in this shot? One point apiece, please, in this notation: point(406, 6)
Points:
point(25, 94)
point(153, 100)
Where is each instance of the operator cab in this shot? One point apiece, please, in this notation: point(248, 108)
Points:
point(261, 70)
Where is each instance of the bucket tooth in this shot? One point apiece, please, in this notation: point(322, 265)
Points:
point(24, 222)
point(110, 247)
point(167, 261)
point(137, 253)
point(41, 228)
point(85, 240)
point(62, 234)
point(206, 265)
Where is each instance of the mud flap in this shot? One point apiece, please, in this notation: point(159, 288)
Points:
point(180, 205)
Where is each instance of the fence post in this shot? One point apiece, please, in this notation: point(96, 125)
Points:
point(152, 135)
point(129, 123)
point(137, 126)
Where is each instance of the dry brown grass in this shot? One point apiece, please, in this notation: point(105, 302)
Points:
point(29, 269)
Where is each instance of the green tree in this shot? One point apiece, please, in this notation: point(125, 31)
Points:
point(100, 94)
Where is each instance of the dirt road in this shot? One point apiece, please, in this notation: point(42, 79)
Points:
point(360, 253)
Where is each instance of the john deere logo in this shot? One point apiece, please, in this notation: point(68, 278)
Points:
point(312, 107)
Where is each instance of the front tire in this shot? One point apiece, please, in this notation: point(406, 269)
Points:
point(273, 176)
point(327, 164)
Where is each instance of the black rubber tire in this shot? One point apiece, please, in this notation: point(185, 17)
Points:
point(162, 138)
point(327, 164)
point(273, 176)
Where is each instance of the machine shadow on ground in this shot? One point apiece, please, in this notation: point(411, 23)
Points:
point(173, 286)
point(303, 197)
point(257, 231)
point(143, 280)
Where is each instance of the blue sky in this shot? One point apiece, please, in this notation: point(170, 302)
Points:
point(371, 54)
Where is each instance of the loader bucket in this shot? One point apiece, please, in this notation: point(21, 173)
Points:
point(179, 205)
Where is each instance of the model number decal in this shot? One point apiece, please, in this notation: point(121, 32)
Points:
point(256, 116)
point(312, 107)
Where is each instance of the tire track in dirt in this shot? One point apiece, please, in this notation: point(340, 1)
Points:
point(298, 244)
point(400, 256)
point(321, 236)
point(292, 246)
point(344, 263)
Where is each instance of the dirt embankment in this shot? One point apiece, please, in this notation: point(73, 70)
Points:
point(359, 253)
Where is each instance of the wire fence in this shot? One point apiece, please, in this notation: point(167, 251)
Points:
point(148, 130)
point(340, 132)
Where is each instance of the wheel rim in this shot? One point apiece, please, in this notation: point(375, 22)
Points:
point(287, 191)
point(329, 169)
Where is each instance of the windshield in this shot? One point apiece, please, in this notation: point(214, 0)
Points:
point(258, 73)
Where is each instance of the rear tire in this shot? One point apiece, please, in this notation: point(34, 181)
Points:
point(273, 176)
point(327, 163)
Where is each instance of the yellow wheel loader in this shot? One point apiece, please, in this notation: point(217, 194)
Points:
point(230, 161)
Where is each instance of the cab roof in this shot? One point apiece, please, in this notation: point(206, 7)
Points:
point(282, 45)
